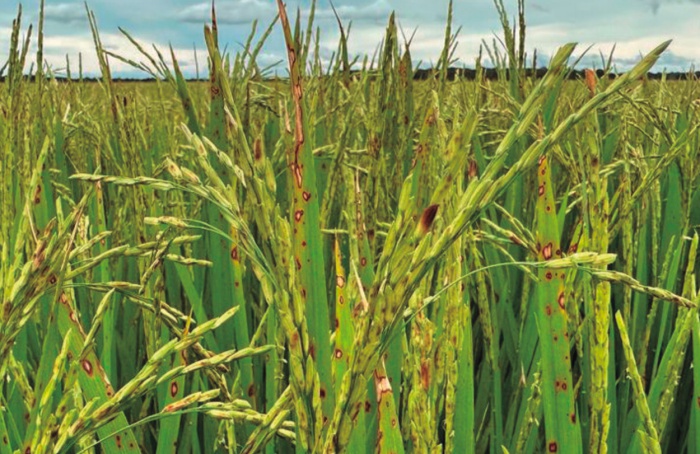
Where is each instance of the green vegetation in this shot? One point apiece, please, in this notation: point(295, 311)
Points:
point(348, 261)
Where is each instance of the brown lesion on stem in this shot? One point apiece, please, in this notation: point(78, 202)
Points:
point(297, 91)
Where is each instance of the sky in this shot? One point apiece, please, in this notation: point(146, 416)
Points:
point(632, 26)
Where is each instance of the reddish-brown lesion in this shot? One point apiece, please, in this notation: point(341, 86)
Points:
point(174, 389)
point(547, 251)
point(560, 386)
point(425, 374)
point(87, 367)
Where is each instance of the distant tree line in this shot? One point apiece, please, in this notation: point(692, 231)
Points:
point(452, 74)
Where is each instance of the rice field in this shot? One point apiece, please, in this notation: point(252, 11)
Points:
point(347, 259)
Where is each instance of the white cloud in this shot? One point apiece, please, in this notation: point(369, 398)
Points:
point(56, 47)
point(236, 12)
point(429, 39)
point(622, 33)
point(628, 23)
point(65, 12)
point(243, 12)
point(377, 10)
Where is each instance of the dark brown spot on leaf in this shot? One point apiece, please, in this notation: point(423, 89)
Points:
point(426, 220)
point(370, 234)
point(37, 194)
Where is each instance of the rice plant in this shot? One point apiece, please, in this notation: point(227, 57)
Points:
point(346, 258)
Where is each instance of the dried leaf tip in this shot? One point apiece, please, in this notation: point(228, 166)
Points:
point(591, 80)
